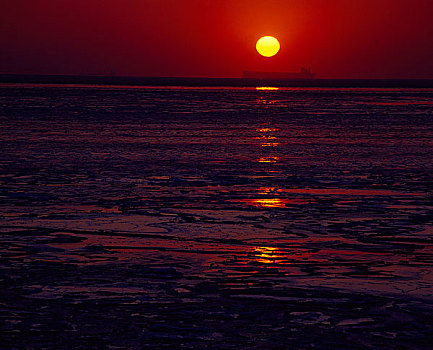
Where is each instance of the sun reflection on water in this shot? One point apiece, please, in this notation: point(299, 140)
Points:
point(274, 256)
point(273, 197)
point(266, 137)
point(267, 190)
point(267, 88)
point(270, 144)
point(268, 202)
point(268, 159)
point(265, 255)
point(266, 129)
point(267, 134)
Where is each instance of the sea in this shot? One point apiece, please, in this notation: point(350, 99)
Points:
point(169, 217)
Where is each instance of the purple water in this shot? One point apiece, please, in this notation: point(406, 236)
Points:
point(216, 217)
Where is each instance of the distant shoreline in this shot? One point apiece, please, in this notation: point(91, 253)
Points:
point(214, 82)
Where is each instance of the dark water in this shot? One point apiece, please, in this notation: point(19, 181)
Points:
point(217, 218)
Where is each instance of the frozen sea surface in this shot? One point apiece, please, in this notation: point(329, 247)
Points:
point(216, 218)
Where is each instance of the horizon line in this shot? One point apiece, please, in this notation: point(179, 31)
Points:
point(212, 81)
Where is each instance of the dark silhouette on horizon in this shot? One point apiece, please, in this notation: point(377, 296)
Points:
point(204, 81)
point(304, 73)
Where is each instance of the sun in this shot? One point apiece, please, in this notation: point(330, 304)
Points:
point(267, 46)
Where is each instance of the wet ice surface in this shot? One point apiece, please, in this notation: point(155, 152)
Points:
point(216, 218)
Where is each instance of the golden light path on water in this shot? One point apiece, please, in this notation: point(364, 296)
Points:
point(268, 159)
point(265, 255)
point(273, 255)
point(268, 88)
point(268, 202)
point(266, 134)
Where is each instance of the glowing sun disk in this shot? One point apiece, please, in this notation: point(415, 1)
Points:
point(267, 46)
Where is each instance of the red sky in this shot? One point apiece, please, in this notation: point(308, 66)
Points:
point(216, 38)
